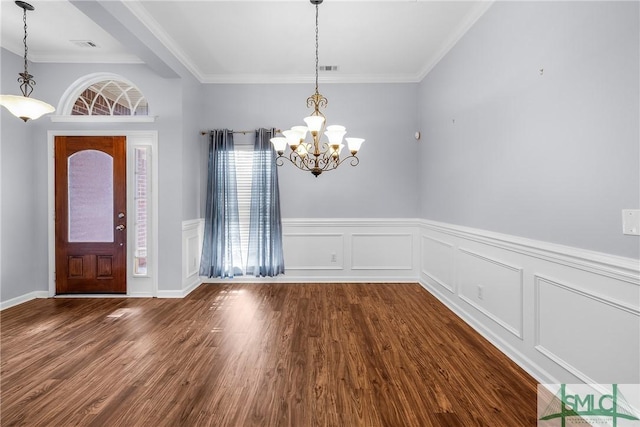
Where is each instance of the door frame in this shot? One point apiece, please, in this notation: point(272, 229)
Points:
point(137, 286)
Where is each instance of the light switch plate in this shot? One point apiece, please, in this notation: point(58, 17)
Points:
point(631, 222)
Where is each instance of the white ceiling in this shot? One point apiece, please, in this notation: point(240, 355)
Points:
point(248, 41)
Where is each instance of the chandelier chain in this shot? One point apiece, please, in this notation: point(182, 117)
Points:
point(317, 48)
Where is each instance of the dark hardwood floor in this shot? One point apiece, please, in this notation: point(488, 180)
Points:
point(257, 354)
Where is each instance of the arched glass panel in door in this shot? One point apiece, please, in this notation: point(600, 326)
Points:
point(90, 196)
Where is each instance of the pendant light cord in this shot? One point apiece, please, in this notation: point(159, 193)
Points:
point(26, 80)
point(24, 40)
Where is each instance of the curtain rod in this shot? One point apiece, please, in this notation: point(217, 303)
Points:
point(244, 132)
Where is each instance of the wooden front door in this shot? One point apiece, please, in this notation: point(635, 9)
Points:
point(90, 218)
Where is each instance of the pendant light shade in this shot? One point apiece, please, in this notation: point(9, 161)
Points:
point(24, 107)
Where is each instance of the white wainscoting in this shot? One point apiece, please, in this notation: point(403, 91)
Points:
point(595, 336)
point(563, 314)
point(335, 250)
point(382, 251)
point(192, 234)
point(350, 250)
point(491, 287)
point(438, 265)
point(325, 253)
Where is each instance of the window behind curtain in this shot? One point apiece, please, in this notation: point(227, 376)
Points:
point(244, 162)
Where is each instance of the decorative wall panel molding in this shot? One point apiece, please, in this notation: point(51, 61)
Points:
point(492, 287)
point(438, 262)
point(597, 332)
point(313, 251)
point(192, 236)
point(381, 251)
point(192, 256)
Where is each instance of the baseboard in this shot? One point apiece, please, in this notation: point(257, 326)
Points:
point(170, 294)
point(193, 284)
point(180, 293)
point(22, 299)
point(309, 279)
point(140, 295)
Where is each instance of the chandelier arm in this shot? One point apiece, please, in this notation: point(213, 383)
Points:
point(354, 162)
point(295, 159)
point(298, 160)
point(321, 164)
point(281, 158)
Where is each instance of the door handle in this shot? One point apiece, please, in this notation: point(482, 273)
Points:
point(120, 227)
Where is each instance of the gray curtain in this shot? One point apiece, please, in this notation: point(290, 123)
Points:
point(265, 256)
point(221, 255)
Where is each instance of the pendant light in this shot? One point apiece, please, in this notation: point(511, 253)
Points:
point(23, 106)
point(316, 156)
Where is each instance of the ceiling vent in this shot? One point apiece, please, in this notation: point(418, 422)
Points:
point(85, 43)
point(328, 68)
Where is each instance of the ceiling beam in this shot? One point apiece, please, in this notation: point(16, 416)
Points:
point(116, 19)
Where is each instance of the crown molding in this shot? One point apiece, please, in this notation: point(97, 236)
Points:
point(481, 7)
point(307, 79)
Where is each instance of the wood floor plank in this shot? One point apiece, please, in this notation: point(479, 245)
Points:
point(256, 355)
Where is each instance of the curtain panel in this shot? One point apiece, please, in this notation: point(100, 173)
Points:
point(221, 253)
point(265, 255)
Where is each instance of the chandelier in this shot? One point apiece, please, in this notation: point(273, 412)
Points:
point(23, 106)
point(316, 156)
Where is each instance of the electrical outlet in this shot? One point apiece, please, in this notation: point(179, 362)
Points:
point(334, 257)
point(480, 292)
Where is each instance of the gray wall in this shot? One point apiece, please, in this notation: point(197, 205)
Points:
point(25, 156)
point(554, 157)
point(383, 185)
point(551, 156)
point(21, 271)
point(192, 112)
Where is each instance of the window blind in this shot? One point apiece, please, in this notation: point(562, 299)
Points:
point(244, 171)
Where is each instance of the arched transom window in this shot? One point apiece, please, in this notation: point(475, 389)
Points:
point(110, 98)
